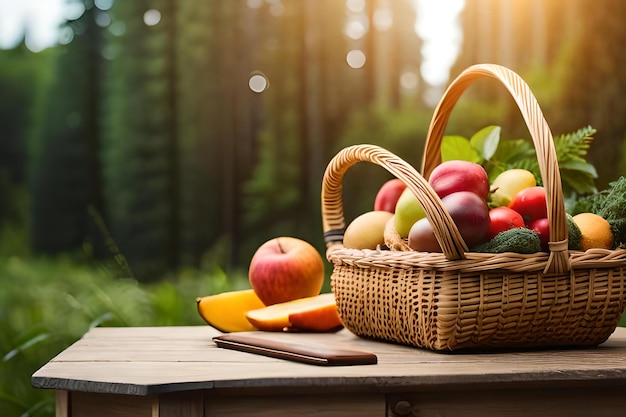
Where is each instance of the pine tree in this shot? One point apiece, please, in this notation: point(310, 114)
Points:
point(66, 169)
point(140, 151)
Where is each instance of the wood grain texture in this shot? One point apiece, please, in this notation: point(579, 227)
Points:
point(181, 404)
point(297, 405)
point(155, 360)
point(110, 405)
point(62, 405)
point(546, 402)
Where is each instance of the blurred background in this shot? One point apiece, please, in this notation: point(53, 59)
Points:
point(148, 147)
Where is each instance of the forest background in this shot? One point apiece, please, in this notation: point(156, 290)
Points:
point(146, 156)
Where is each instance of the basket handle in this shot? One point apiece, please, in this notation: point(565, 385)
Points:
point(446, 232)
point(559, 260)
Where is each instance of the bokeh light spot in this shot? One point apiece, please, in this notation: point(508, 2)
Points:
point(409, 80)
point(117, 28)
point(258, 83)
point(152, 17)
point(355, 6)
point(355, 58)
point(356, 26)
point(103, 4)
point(383, 19)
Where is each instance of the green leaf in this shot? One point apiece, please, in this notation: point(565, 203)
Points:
point(486, 141)
point(578, 181)
point(458, 148)
point(582, 167)
point(29, 343)
point(515, 150)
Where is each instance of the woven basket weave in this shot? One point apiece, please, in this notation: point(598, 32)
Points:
point(463, 300)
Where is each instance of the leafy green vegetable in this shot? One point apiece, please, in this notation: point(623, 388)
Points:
point(518, 240)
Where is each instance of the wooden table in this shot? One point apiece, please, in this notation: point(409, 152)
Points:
point(178, 371)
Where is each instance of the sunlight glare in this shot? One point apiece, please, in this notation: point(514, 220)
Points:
point(439, 28)
point(73, 11)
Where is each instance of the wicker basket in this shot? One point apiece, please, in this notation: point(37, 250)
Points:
point(463, 300)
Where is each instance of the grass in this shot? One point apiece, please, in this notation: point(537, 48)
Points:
point(48, 303)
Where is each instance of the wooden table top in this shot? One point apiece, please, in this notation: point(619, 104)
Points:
point(155, 360)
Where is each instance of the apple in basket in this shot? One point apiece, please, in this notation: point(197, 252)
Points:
point(457, 175)
point(388, 195)
point(469, 212)
point(284, 269)
point(408, 211)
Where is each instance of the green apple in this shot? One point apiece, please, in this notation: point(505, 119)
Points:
point(508, 183)
point(367, 231)
point(408, 211)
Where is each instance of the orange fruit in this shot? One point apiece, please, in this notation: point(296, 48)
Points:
point(595, 231)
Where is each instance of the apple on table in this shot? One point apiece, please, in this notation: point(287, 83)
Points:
point(284, 269)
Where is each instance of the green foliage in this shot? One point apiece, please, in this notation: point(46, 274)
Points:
point(401, 131)
point(139, 146)
point(46, 304)
point(65, 172)
point(484, 147)
point(610, 204)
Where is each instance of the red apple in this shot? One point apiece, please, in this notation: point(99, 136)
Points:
point(422, 238)
point(501, 219)
point(530, 203)
point(456, 175)
point(543, 230)
point(388, 195)
point(284, 269)
point(469, 212)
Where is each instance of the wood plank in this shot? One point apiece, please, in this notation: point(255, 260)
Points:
point(181, 404)
point(87, 404)
point(143, 361)
point(298, 405)
point(62, 407)
point(561, 402)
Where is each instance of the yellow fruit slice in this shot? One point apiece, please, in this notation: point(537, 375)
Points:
point(227, 311)
point(595, 231)
point(318, 313)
